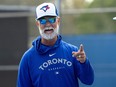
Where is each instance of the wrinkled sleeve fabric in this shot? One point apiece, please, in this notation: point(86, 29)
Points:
point(23, 79)
point(84, 72)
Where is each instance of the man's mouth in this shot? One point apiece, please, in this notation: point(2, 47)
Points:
point(48, 31)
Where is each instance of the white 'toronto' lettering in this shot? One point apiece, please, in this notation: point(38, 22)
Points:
point(55, 61)
point(69, 63)
point(45, 64)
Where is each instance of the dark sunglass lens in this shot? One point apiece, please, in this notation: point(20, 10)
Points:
point(42, 21)
point(52, 20)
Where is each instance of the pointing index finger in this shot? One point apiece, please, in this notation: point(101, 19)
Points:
point(81, 47)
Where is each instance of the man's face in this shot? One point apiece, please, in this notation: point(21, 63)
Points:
point(49, 27)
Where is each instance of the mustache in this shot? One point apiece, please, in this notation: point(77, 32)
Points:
point(48, 28)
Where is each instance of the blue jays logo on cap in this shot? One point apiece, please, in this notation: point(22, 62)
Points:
point(45, 8)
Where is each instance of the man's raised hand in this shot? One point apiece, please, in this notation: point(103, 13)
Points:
point(80, 54)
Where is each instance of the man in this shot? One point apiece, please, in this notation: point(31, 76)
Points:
point(51, 62)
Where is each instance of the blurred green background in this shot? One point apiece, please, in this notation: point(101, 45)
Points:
point(77, 16)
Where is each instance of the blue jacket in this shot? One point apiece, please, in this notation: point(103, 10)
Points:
point(53, 66)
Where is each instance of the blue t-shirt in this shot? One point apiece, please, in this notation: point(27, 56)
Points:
point(53, 66)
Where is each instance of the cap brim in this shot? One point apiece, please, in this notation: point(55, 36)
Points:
point(46, 16)
point(114, 18)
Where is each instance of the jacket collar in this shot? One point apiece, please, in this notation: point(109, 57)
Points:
point(43, 48)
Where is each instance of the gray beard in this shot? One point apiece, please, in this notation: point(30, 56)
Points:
point(49, 36)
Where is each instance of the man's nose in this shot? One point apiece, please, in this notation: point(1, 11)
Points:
point(48, 23)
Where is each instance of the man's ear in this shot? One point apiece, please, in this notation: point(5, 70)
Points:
point(37, 23)
point(58, 20)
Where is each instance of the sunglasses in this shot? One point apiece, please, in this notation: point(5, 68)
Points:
point(50, 20)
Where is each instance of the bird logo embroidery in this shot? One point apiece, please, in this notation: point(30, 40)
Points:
point(45, 8)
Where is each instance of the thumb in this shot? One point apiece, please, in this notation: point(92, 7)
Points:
point(81, 48)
